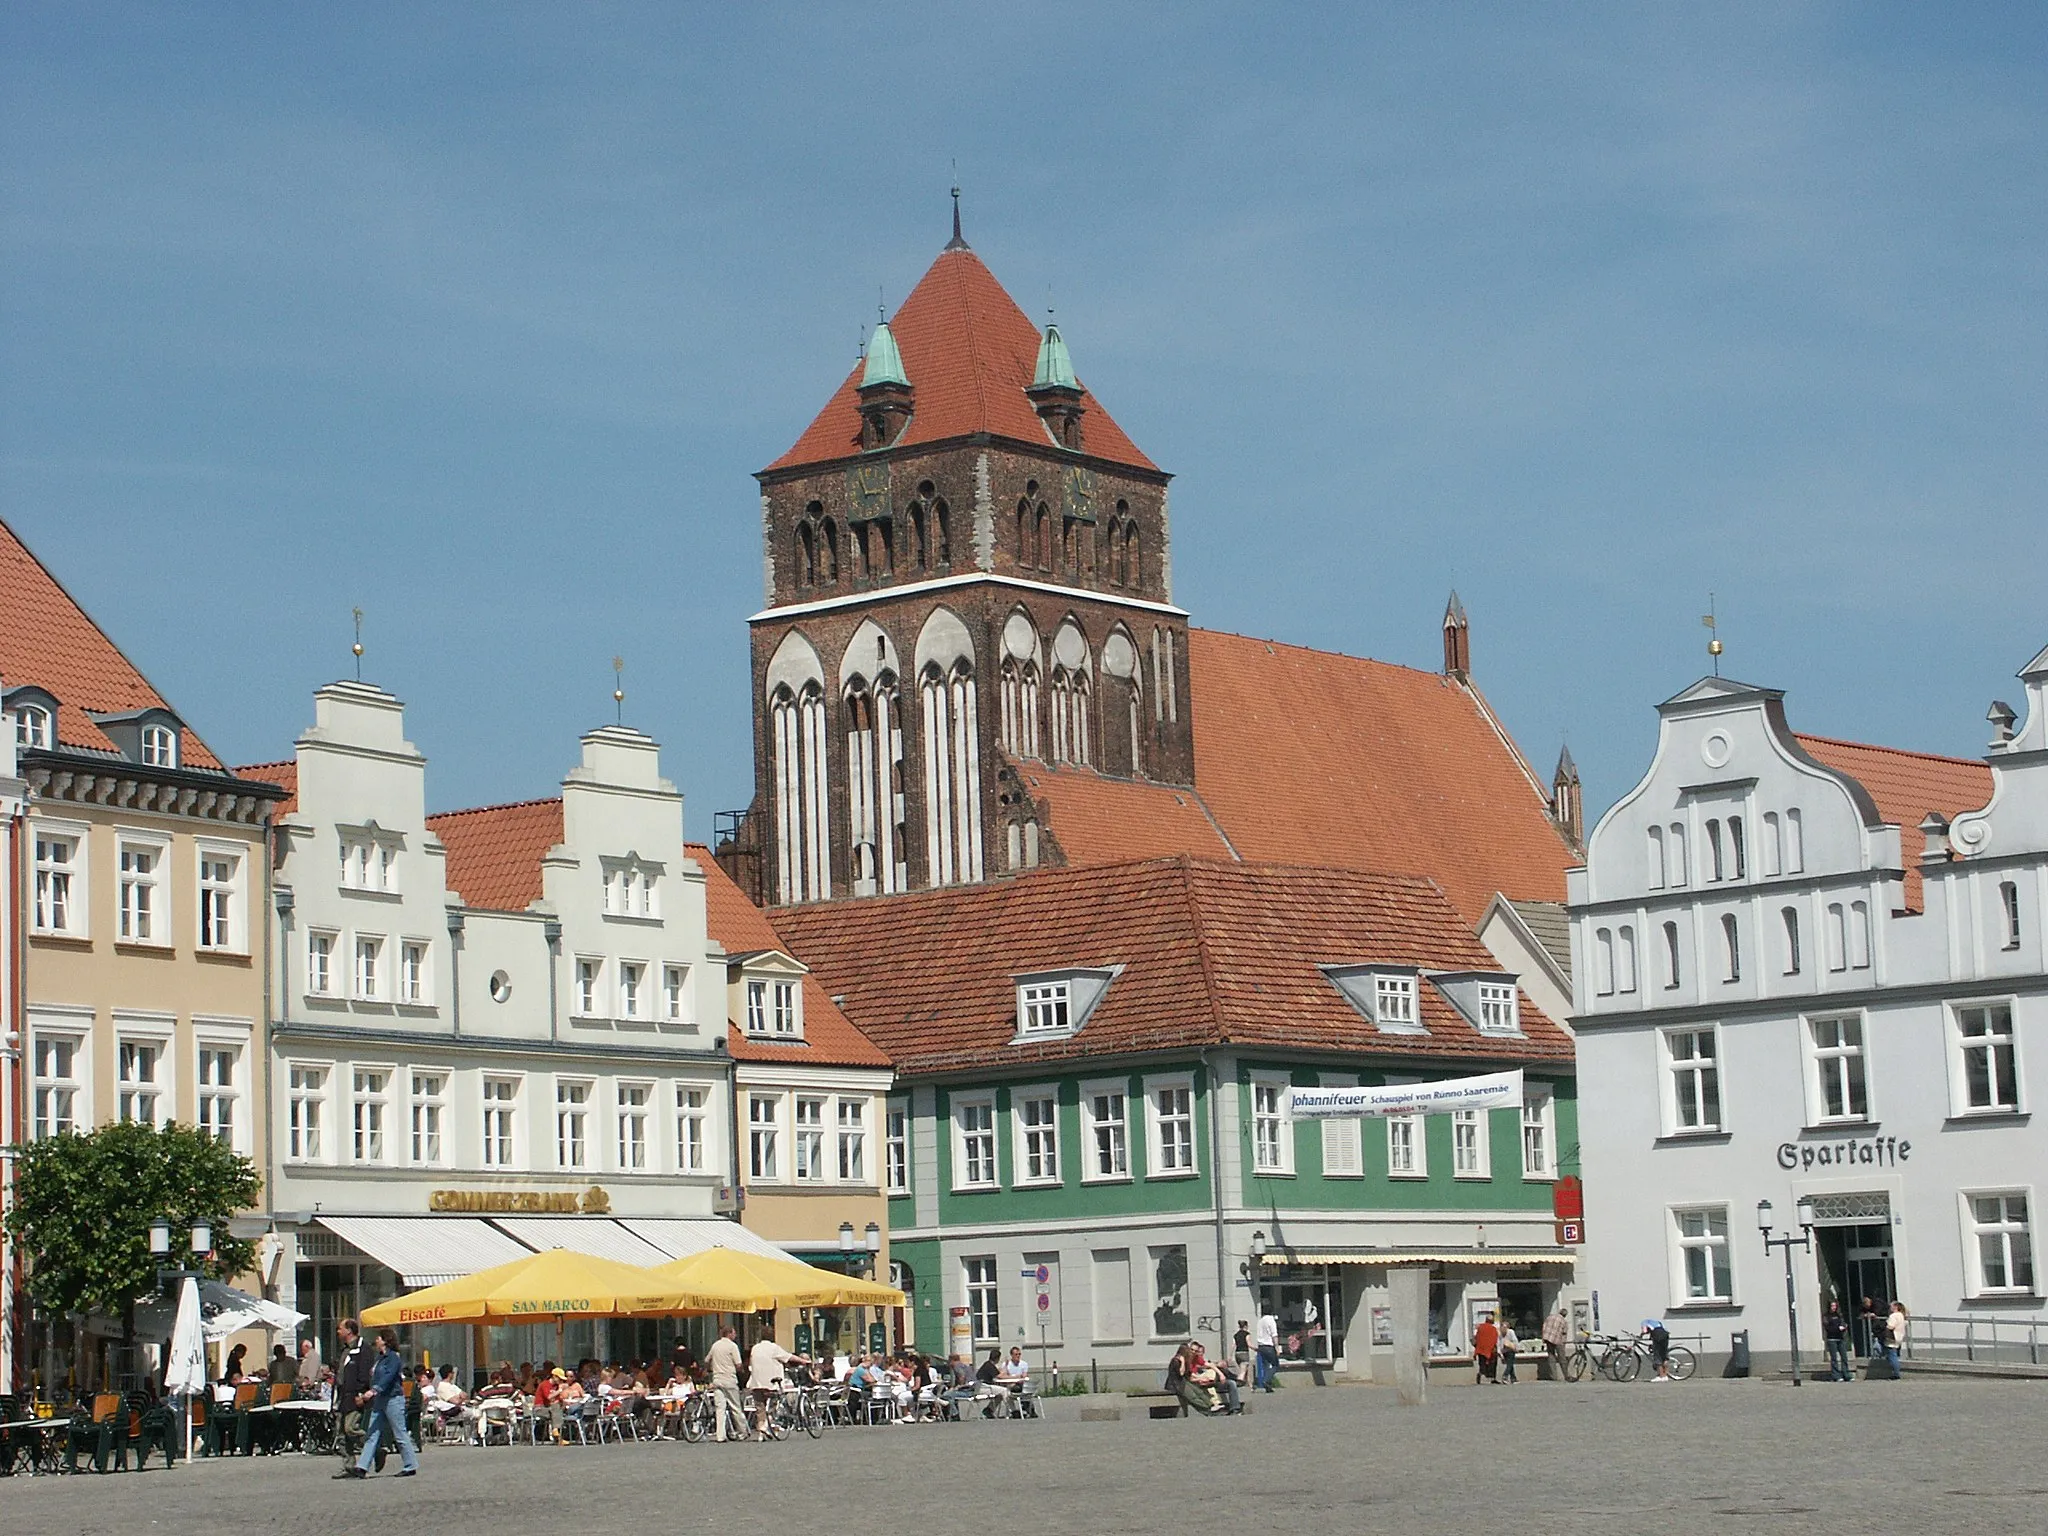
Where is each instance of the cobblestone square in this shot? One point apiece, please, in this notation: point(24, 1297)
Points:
point(1928, 1455)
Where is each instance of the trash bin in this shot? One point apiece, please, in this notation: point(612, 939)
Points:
point(1738, 1353)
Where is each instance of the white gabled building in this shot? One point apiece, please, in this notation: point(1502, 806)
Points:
point(496, 1030)
point(1813, 969)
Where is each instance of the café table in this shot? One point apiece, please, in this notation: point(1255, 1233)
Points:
point(43, 1453)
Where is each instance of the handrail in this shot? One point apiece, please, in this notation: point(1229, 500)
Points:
point(1977, 1339)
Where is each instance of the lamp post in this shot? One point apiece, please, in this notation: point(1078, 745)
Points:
point(1788, 1242)
point(160, 1249)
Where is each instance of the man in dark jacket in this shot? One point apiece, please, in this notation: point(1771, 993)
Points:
point(352, 1382)
point(384, 1414)
point(1834, 1328)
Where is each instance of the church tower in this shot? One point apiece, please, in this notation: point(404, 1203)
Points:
point(967, 566)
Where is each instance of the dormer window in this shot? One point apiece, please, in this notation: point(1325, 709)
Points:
point(159, 747)
point(1054, 1004)
point(1497, 1011)
point(32, 728)
point(1387, 995)
point(1042, 1007)
point(774, 1009)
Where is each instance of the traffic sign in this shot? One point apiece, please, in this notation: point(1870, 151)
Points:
point(1045, 1301)
point(1043, 1274)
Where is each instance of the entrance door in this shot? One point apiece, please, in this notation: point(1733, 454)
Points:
point(1855, 1263)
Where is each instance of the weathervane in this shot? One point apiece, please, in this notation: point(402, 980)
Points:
point(619, 688)
point(1714, 632)
point(358, 646)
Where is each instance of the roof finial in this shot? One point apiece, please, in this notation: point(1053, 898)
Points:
point(1713, 629)
point(357, 613)
point(619, 688)
point(958, 242)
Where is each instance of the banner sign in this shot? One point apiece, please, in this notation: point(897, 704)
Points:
point(1496, 1090)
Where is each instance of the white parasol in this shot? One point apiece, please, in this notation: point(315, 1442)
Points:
point(222, 1310)
point(185, 1369)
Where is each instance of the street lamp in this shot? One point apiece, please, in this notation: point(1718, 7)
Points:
point(201, 1238)
point(873, 1235)
point(846, 1237)
point(1788, 1242)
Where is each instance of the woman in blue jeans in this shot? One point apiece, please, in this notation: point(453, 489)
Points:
point(384, 1411)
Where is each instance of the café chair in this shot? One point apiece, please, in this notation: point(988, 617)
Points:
point(102, 1429)
point(152, 1427)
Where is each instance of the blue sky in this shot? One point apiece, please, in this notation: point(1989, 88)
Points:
point(481, 317)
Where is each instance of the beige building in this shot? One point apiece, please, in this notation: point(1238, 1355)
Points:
point(141, 891)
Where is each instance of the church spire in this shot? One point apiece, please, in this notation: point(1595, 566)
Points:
point(958, 242)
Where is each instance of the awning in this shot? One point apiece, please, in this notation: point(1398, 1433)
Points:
point(1464, 1258)
point(598, 1236)
point(426, 1250)
point(680, 1236)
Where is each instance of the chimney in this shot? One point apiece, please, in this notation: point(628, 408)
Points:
point(2003, 718)
point(1457, 640)
point(1564, 798)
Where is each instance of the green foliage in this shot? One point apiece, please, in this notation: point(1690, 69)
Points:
point(84, 1205)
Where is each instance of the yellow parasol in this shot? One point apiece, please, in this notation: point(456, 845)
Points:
point(557, 1284)
point(729, 1280)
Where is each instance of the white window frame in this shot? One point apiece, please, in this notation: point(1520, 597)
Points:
point(1396, 1002)
point(427, 1124)
point(158, 745)
point(1407, 1147)
point(764, 1137)
point(787, 1011)
point(572, 1123)
point(1280, 1115)
point(1158, 1121)
point(1681, 1244)
point(159, 1039)
point(210, 1039)
point(979, 1104)
point(60, 889)
point(307, 1120)
point(633, 1125)
point(807, 1138)
point(1030, 1138)
point(369, 862)
point(693, 1128)
point(587, 978)
point(2018, 1241)
point(1045, 1008)
point(1541, 1101)
point(320, 961)
point(1961, 1047)
point(221, 903)
point(1480, 1143)
point(366, 980)
point(850, 1141)
point(1671, 1068)
point(896, 1147)
point(1836, 1061)
point(74, 1086)
point(155, 886)
point(1094, 1124)
point(1499, 1001)
point(757, 1007)
point(983, 1290)
point(370, 1137)
point(415, 973)
point(632, 990)
point(676, 998)
point(34, 727)
point(502, 1123)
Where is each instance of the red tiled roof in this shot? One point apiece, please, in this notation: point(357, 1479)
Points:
point(1906, 786)
point(969, 353)
point(47, 639)
point(740, 927)
point(285, 775)
point(494, 851)
point(1212, 953)
point(1312, 758)
point(1105, 821)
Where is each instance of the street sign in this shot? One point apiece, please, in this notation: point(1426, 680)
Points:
point(1571, 1232)
point(1043, 1274)
point(1045, 1301)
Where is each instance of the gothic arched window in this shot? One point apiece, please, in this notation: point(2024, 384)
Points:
point(942, 536)
point(828, 552)
point(952, 773)
point(802, 816)
point(874, 773)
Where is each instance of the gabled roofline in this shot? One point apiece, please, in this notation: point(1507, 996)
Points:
point(1500, 905)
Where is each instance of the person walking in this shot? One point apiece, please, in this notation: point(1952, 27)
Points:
point(352, 1382)
point(723, 1359)
point(385, 1412)
point(1486, 1349)
point(1556, 1334)
point(1834, 1331)
point(1895, 1337)
point(1241, 1350)
point(1510, 1344)
point(1268, 1337)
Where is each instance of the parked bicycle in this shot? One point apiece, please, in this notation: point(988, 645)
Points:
point(1622, 1357)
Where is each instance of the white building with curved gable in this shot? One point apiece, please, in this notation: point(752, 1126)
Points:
point(1813, 969)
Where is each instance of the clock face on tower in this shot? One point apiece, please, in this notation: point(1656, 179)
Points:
point(1080, 491)
point(867, 491)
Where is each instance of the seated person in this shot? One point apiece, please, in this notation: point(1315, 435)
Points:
point(1195, 1397)
point(991, 1390)
point(1216, 1376)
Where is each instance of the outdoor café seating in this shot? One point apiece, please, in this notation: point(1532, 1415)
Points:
point(100, 1427)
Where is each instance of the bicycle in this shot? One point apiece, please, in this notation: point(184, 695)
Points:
point(1628, 1356)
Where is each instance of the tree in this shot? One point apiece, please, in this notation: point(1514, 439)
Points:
point(84, 1204)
